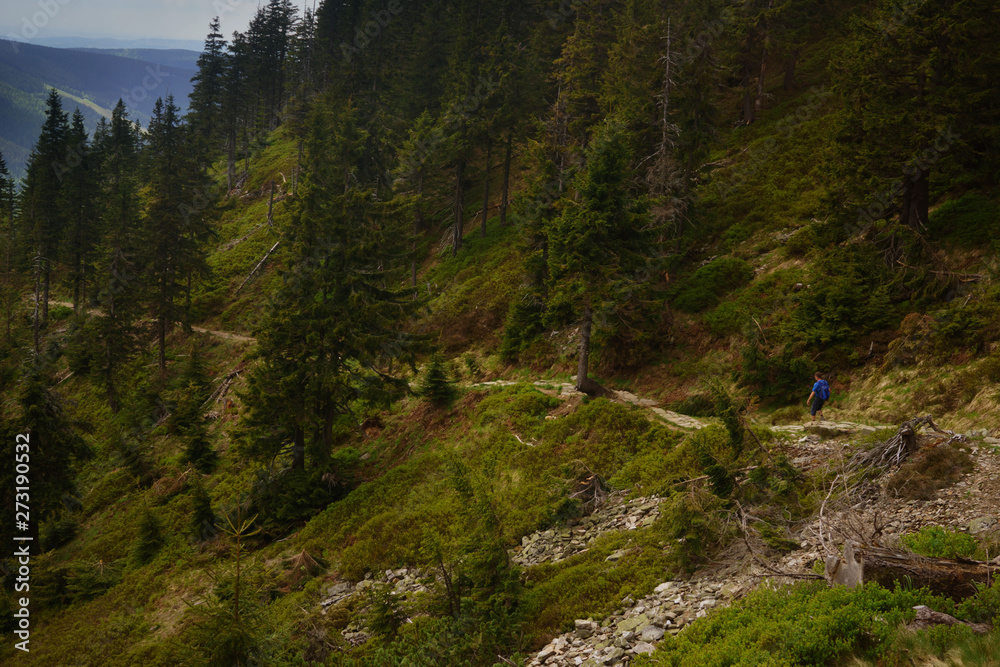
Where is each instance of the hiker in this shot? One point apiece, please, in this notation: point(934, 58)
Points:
point(820, 395)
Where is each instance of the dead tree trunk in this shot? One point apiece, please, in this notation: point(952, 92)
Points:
point(270, 207)
point(583, 382)
point(916, 199)
point(955, 578)
point(759, 101)
point(418, 226)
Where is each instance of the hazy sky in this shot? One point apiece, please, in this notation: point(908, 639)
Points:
point(155, 19)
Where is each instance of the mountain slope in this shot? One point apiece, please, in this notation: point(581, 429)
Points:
point(27, 72)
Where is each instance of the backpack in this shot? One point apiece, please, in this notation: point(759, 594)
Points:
point(824, 390)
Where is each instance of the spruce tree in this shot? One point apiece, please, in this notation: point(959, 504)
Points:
point(118, 266)
point(174, 219)
point(206, 100)
point(917, 97)
point(9, 283)
point(334, 327)
point(79, 199)
point(600, 243)
point(41, 201)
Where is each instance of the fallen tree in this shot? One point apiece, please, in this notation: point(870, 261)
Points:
point(952, 577)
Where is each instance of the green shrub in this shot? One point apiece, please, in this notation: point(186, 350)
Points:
point(90, 580)
point(972, 220)
point(523, 325)
point(60, 313)
point(776, 379)
point(848, 298)
point(58, 532)
point(437, 387)
point(984, 606)
point(522, 405)
point(939, 542)
point(692, 524)
point(284, 498)
point(800, 243)
point(149, 539)
point(385, 615)
point(802, 624)
point(703, 288)
point(203, 519)
point(696, 405)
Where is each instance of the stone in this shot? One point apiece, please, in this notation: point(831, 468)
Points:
point(664, 587)
point(635, 623)
point(643, 648)
point(613, 656)
point(585, 629)
point(545, 653)
point(981, 524)
point(651, 633)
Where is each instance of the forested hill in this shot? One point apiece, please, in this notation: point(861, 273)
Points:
point(92, 81)
point(512, 309)
point(182, 59)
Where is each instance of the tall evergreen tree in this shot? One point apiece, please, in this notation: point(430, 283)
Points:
point(79, 208)
point(9, 288)
point(918, 95)
point(333, 328)
point(173, 219)
point(600, 242)
point(206, 100)
point(55, 445)
point(118, 279)
point(41, 203)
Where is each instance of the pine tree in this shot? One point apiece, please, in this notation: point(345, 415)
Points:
point(206, 100)
point(9, 287)
point(56, 447)
point(79, 195)
point(173, 219)
point(118, 266)
point(41, 200)
point(917, 96)
point(149, 538)
point(333, 328)
point(600, 243)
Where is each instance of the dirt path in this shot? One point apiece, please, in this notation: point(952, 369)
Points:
point(211, 332)
point(567, 391)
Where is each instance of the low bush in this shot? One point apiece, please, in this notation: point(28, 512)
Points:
point(972, 220)
point(939, 542)
point(703, 288)
point(802, 624)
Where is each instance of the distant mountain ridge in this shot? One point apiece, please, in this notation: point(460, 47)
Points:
point(68, 42)
point(183, 59)
point(94, 81)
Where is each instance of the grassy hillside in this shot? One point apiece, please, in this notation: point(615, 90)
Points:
point(159, 561)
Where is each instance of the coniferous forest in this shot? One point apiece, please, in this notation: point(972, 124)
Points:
point(406, 284)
